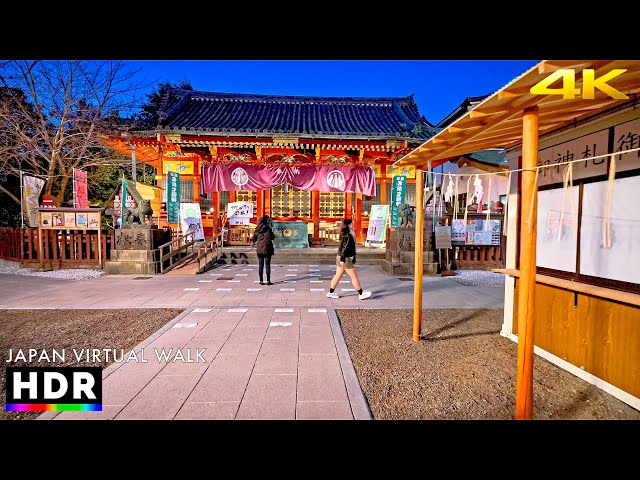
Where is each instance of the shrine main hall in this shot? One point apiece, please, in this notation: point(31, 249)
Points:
point(296, 158)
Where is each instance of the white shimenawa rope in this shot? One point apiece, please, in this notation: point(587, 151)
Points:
point(606, 224)
point(486, 224)
point(551, 165)
point(456, 204)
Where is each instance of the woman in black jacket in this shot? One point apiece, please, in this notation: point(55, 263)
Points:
point(263, 239)
point(345, 261)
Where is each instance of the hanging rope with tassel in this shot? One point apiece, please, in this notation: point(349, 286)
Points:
point(606, 224)
point(486, 223)
point(567, 187)
point(468, 202)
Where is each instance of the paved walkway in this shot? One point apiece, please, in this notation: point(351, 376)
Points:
point(272, 352)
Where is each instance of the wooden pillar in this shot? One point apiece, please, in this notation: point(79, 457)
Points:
point(526, 289)
point(232, 196)
point(383, 192)
point(419, 236)
point(260, 203)
point(267, 202)
point(315, 213)
point(357, 220)
point(215, 203)
point(347, 206)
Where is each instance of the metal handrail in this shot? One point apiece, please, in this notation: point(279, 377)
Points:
point(182, 243)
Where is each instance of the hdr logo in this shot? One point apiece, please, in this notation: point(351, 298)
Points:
point(589, 84)
point(38, 389)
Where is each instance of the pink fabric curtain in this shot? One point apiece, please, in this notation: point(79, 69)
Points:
point(220, 177)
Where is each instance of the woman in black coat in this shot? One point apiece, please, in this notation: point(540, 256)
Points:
point(345, 261)
point(263, 240)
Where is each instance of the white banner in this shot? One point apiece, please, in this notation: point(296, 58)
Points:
point(31, 188)
point(191, 219)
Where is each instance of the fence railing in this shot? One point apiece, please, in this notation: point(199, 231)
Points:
point(210, 253)
point(173, 248)
point(61, 249)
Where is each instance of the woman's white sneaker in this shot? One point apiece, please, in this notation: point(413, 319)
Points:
point(333, 295)
point(365, 294)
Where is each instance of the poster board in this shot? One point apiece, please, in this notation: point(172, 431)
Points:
point(239, 213)
point(191, 219)
point(60, 218)
point(443, 237)
point(378, 219)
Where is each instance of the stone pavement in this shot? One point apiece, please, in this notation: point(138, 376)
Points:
point(272, 352)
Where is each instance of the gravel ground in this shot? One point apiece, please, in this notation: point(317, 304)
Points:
point(478, 278)
point(463, 369)
point(67, 274)
point(69, 329)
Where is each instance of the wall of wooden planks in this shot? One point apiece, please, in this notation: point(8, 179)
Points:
point(598, 335)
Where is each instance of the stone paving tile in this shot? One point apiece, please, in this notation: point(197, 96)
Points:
point(323, 411)
point(125, 383)
point(276, 363)
point(279, 346)
point(209, 348)
point(225, 379)
point(320, 379)
point(161, 398)
point(208, 411)
point(269, 397)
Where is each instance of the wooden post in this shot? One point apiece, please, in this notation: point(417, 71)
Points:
point(40, 249)
point(215, 203)
point(260, 203)
point(347, 206)
point(100, 239)
point(419, 236)
point(315, 213)
point(526, 289)
point(267, 202)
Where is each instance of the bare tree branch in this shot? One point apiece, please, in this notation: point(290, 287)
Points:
point(53, 114)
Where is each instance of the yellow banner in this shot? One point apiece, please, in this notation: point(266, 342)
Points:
point(181, 167)
point(409, 171)
point(151, 193)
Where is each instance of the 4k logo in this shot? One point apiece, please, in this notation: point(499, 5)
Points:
point(589, 84)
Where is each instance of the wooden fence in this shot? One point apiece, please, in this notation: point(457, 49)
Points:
point(60, 249)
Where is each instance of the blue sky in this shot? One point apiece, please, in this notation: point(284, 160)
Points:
point(439, 85)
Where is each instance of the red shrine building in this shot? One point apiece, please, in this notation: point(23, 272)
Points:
point(296, 158)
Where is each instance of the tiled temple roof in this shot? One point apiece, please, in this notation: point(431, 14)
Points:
point(264, 115)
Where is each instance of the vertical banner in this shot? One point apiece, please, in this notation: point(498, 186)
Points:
point(173, 197)
point(191, 219)
point(80, 194)
point(31, 188)
point(123, 203)
point(398, 192)
point(378, 224)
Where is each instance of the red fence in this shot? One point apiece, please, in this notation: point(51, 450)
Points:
point(60, 249)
